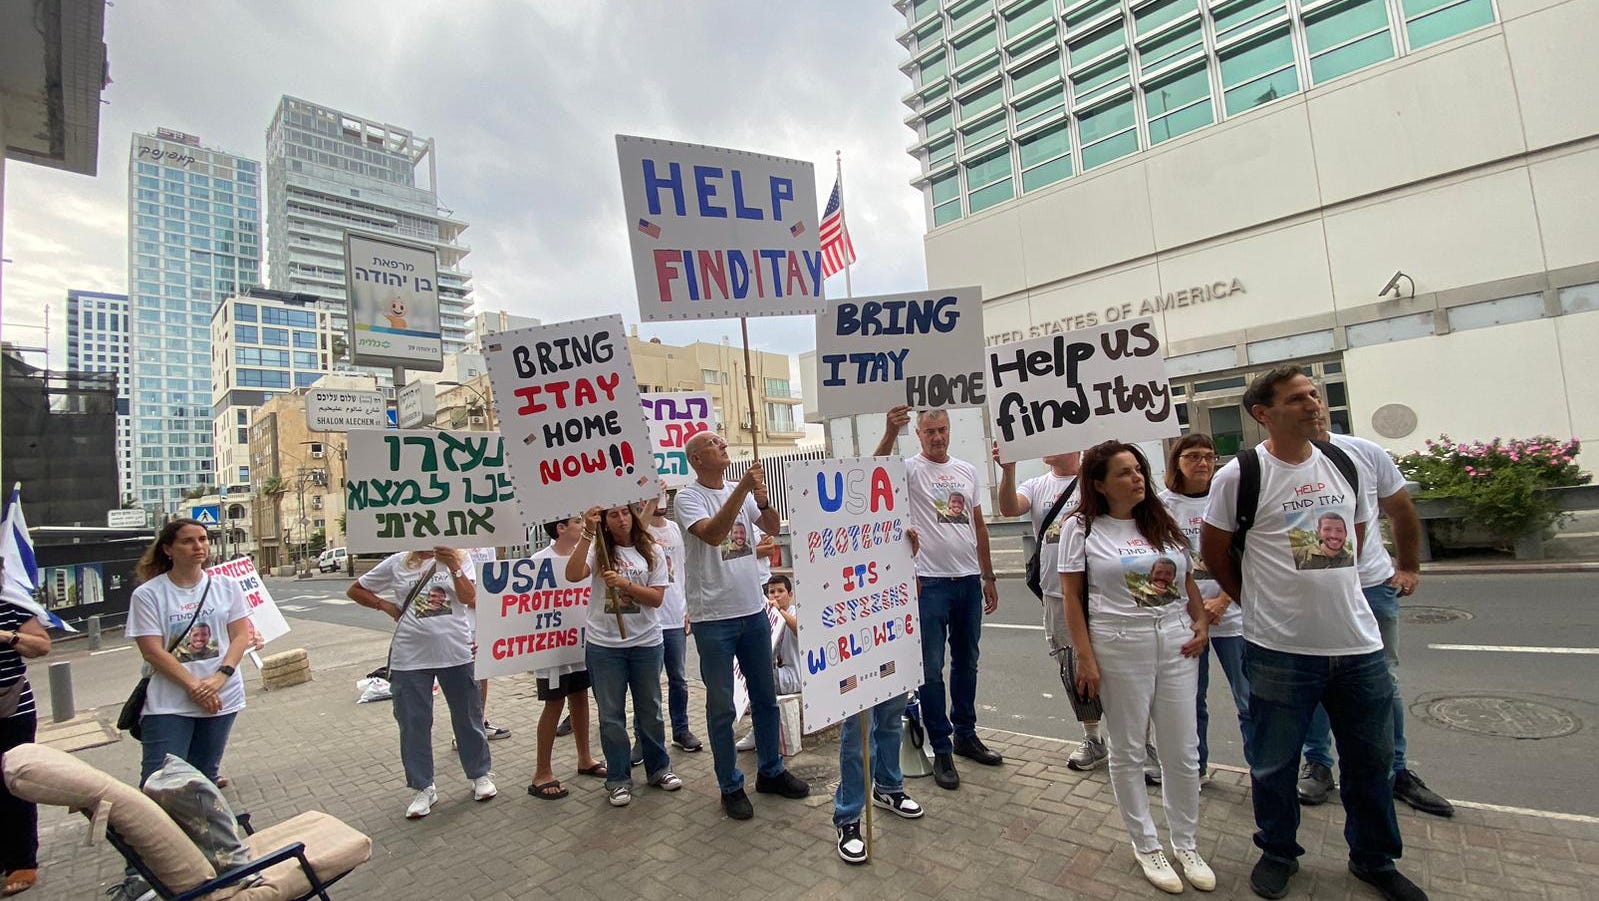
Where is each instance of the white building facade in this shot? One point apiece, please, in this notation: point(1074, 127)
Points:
point(1398, 195)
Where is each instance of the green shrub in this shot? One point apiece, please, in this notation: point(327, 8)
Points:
point(1498, 482)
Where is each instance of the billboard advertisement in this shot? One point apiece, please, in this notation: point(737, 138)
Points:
point(393, 295)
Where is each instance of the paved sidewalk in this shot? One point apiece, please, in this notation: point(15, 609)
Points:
point(1031, 828)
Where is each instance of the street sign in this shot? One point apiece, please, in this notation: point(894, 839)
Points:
point(125, 519)
point(336, 410)
point(208, 515)
point(416, 403)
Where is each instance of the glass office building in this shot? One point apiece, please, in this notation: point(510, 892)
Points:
point(97, 341)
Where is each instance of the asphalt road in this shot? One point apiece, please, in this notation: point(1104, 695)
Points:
point(1490, 697)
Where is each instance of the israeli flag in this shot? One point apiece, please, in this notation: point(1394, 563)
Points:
point(22, 569)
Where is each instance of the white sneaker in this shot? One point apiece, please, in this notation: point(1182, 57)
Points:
point(1198, 873)
point(483, 788)
point(1157, 869)
point(621, 796)
point(747, 743)
point(667, 781)
point(422, 804)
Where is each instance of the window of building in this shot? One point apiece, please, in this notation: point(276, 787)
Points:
point(244, 312)
point(939, 122)
point(1258, 70)
point(1430, 21)
point(306, 379)
point(263, 378)
point(1108, 132)
point(305, 339)
point(1178, 103)
point(981, 102)
point(932, 67)
point(974, 45)
point(1345, 36)
point(710, 376)
point(940, 152)
point(946, 198)
point(275, 337)
point(1035, 73)
point(988, 179)
point(1019, 19)
point(779, 418)
point(964, 14)
point(1046, 156)
point(305, 360)
point(777, 388)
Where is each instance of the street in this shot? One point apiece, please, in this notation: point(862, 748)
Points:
point(1519, 727)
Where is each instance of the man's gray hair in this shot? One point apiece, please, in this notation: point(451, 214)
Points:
point(925, 415)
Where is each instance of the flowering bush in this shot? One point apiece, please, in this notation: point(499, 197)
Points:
point(1498, 482)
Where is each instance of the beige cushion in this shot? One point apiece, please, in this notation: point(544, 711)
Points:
point(331, 847)
point(47, 776)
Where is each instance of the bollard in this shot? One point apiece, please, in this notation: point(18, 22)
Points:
point(61, 706)
point(94, 632)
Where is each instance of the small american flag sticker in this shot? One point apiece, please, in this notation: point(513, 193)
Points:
point(797, 229)
point(847, 685)
point(886, 669)
point(649, 228)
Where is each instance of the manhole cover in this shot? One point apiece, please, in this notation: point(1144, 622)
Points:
point(1431, 616)
point(1502, 716)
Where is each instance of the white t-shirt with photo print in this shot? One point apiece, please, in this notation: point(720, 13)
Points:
point(1041, 492)
point(642, 623)
point(434, 632)
point(723, 582)
point(162, 610)
point(944, 499)
point(1379, 478)
point(669, 541)
point(1190, 515)
point(1301, 590)
point(1127, 575)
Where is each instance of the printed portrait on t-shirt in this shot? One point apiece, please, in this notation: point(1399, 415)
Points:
point(619, 602)
point(737, 542)
point(1152, 580)
point(1321, 539)
point(433, 602)
point(1190, 528)
point(199, 644)
point(951, 506)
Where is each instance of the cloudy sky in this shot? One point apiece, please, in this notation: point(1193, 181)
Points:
point(524, 99)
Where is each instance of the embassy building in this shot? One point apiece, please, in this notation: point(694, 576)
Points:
point(1397, 194)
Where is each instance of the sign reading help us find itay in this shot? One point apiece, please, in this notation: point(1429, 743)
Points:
point(924, 348)
point(718, 233)
point(574, 428)
point(528, 616)
point(860, 635)
point(1072, 390)
point(675, 417)
point(409, 490)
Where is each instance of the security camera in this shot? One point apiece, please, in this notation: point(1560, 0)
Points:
point(1393, 285)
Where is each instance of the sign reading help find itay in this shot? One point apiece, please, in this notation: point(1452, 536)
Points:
point(924, 349)
point(1071, 391)
point(425, 488)
point(674, 418)
point(574, 429)
point(860, 636)
point(718, 233)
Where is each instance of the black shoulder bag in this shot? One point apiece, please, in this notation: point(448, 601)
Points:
point(133, 708)
point(1035, 579)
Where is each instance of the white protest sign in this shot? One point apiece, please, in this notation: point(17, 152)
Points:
point(718, 233)
point(336, 410)
point(741, 688)
point(528, 616)
point(265, 617)
point(574, 429)
point(860, 634)
point(1073, 390)
point(409, 490)
point(924, 349)
point(674, 418)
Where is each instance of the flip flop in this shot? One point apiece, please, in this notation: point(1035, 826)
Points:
point(598, 771)
point(19, 881)
point(543, 793)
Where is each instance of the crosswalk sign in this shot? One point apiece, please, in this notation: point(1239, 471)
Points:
point(208, 515)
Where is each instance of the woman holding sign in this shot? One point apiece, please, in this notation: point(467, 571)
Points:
point(1138, 639)
point(624, 644)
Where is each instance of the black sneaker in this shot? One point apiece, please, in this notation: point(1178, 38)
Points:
point(737, 804)
point(687, 742)
point(944, 771)
point(973, 749)
point(1315, 784)
point(564, 727)
point(1409, 788)
point(785, 783)
point(1391, 884)
point(851, 847)
point(1269, 879)
point(898, 802)
point(638, 753)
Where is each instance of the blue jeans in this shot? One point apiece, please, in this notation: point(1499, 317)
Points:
point(1384, 602)
point(199, 740)
point(952, 611)
point(1230, 654)
point(1358, 694)
point(888, 727)
point(749, 640)
point(613, 671)
point(674, 644)
point(413, 711)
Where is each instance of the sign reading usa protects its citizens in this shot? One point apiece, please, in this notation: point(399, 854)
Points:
point(718, 233)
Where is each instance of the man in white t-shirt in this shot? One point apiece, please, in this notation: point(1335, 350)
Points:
point(728, 611)
point(1383, 586)
point(1310, 637)
point(1036, 497)
point(955, 587)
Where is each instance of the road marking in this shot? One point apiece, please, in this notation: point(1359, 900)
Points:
point(1013, 626)
point(339, 601)
point(1511, 649)
point(294, 608)
point(1529, 812)
point(111, 650)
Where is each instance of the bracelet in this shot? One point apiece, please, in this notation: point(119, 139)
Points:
point(587, 535)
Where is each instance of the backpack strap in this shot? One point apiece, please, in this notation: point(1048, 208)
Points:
point(1340, 459)
point(1248, 497)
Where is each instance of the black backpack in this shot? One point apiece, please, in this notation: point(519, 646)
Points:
point(1035, 579)
point(1249, 489)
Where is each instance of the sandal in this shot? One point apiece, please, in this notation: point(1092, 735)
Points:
point(543, 791)
point(19, 881)
point(598, 771)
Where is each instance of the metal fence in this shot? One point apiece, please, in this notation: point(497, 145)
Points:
point(774, 473)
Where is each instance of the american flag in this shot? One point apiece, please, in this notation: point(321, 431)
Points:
point(837, 249)
point(649, 228)
point(886, 669)
point(797, 229)
point(847, 685)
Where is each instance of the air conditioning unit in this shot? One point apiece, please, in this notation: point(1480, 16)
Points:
point(316, 454)
point(477, 420)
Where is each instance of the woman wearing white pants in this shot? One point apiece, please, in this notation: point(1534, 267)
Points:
point(1139, 634)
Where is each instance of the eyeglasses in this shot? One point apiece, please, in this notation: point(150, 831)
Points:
point(1198, 458)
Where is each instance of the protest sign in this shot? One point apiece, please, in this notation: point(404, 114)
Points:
point(410, 490)
point(1070, 391)
point(718, 233)
point(574, 429)
point(860, 636)
point(741, 688)
point(674, 418)
point(924, 349)
point(528, 616)
point(265, 617)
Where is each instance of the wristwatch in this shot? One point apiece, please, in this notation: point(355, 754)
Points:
point(457, 573)
point(226, 670)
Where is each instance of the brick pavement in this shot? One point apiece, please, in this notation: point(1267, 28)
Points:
point(1031, 828)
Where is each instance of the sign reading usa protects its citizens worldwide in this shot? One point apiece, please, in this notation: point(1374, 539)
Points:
point(718, 233)
point(860, 637)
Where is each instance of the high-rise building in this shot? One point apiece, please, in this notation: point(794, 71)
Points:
point(489, 322)
point(263, 343)
point(97, 341)
point(328, 171)
point(194, 224)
